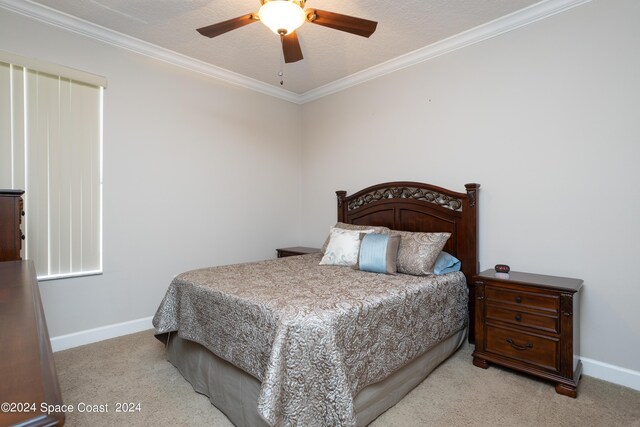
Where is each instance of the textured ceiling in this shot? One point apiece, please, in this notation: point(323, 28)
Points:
point(254, 51)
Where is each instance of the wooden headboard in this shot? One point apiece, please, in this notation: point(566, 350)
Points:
point(415, 206)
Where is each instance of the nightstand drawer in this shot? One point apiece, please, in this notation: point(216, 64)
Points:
point(522, 318)
point(535, 349)
point(521, 298)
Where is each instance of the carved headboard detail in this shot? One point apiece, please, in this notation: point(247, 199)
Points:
point(431, 196)
point(415, 206)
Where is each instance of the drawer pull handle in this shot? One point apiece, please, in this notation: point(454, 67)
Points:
point(518, 317)
point(518, 300)
point(527, 346)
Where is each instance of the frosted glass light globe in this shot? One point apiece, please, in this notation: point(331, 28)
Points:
point(282, 16)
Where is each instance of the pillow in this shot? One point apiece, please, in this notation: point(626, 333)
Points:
point(378, 253)
point(375, 228)
point(418, 252)
point(446, 263)
point(343, 247)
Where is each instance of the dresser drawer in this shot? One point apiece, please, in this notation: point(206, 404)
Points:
point(522, 298)
point(522, 318)
point(534, 349)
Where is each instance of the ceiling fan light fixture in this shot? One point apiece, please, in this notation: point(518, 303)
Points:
point(282, 16)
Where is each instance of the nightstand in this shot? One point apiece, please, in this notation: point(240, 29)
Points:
point(296, 250)
point(530, 323)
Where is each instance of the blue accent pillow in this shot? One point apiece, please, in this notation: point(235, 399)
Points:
point(378, 253)
point(446, 263)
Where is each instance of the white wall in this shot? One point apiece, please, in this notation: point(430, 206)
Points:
point(196, 173)
point(546, 118)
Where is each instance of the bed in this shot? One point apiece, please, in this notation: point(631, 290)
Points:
point(289, 342)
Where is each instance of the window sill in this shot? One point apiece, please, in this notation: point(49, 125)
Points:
point(68, 275)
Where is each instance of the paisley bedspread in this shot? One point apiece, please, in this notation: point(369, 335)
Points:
point(313, 335)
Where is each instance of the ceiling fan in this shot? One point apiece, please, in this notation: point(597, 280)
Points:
point(283, 17)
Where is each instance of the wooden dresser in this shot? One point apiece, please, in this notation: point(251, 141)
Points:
point(28, 381)
point(529, 322)
point(11, 212)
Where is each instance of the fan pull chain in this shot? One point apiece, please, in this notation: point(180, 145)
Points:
point(281, 72)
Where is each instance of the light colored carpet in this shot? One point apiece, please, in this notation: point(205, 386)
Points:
point(133, 369)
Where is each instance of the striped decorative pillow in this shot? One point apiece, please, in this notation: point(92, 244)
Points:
point(378, 253)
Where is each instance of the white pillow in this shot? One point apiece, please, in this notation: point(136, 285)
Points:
point(343, 247)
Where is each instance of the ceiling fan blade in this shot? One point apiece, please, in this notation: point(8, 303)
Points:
point(291, 48)
point(223, 27)
point(349, 24)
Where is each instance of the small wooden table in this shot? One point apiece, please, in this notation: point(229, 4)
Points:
point(530, 323)
point(296, 250)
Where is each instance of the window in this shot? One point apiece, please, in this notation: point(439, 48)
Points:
point(51, 146)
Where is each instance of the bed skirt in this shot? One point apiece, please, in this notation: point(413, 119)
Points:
point(235, 392)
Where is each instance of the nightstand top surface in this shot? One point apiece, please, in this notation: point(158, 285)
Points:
point(554, 282)
point(301, 249)
point(8, 192)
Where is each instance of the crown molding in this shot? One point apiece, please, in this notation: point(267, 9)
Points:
point(494, 28)
point(533, 13)
point(80, 26)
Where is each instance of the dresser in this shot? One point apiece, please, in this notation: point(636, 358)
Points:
point(11, 212)
point(530, 323)
point(28, 379)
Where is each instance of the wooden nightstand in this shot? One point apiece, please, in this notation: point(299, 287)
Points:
point(296, 250)
point(529, 322)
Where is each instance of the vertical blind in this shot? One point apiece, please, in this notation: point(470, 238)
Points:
point(51, 146)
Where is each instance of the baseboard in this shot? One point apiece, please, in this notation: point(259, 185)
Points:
point(593, 368)
point(89, 336)
point(611, 373)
